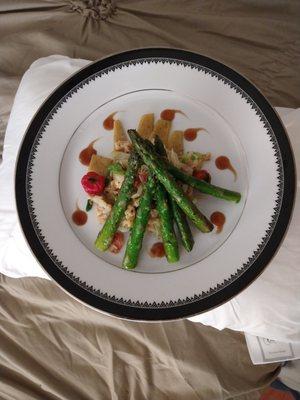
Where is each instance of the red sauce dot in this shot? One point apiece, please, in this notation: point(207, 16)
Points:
point(87, 153)
point(157, 250)
point(79, 217)
point(222, 162)
point(168, 115)
point(108, 123)
point(218, 219)
point(190, 134)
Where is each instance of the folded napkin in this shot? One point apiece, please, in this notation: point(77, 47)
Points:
point(270, 307)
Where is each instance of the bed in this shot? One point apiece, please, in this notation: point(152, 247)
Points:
point(52, 346)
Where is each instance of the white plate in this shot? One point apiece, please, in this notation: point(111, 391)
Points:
point(239, 123)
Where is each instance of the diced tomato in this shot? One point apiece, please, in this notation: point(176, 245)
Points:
point(136, 183)
point(143, 176)
point(117, 242)
point(203, 175)
point(157, 250)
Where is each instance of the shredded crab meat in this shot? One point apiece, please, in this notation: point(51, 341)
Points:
point(103, 208)
point(129, 217)
point(121, 157)
point(173, 157)
point(123, 145)
point(135, 202)
point(144, 169)
point(189, 191)
point(114, 186)
point(153, 226)
point(105, 202)
point(138, 193)
point(195, 159)
point(117, 181)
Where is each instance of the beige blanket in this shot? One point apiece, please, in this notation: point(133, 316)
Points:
point(261, 39)
point(52, 347)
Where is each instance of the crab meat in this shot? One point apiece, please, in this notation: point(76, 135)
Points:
point(103, 208)
point(173, 157)
point(153, 226)
point(123, 145)
point(116, 183)
point(136, 202)
point(129, 216)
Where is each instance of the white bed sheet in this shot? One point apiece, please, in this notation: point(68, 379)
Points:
point(270, 307)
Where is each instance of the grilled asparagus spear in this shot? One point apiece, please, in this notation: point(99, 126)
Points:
point(157, 167)
point(135, 240)
point(179, 216)
point(201, 186)
point(108, 230)
point(166, 223)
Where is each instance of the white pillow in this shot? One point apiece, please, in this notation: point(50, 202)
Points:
point(270, 307)
point(16, 260)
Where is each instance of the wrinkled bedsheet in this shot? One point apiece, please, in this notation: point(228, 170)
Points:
point(261, 39)
point(51, 346)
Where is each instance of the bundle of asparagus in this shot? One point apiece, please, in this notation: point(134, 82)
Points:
point(171, 202)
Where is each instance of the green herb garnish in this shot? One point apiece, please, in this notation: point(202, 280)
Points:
point(115, 168)
point(89, 205)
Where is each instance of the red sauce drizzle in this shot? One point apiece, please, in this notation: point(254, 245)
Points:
point(223, 162)
point(169, 115)
point(79, 217)
point(218, 219)
point(108, 123)
point(86, 154)
point(157, 250)
point(190, 134)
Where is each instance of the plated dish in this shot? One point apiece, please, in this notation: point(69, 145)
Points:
point(74, 160)
point(150, 184)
